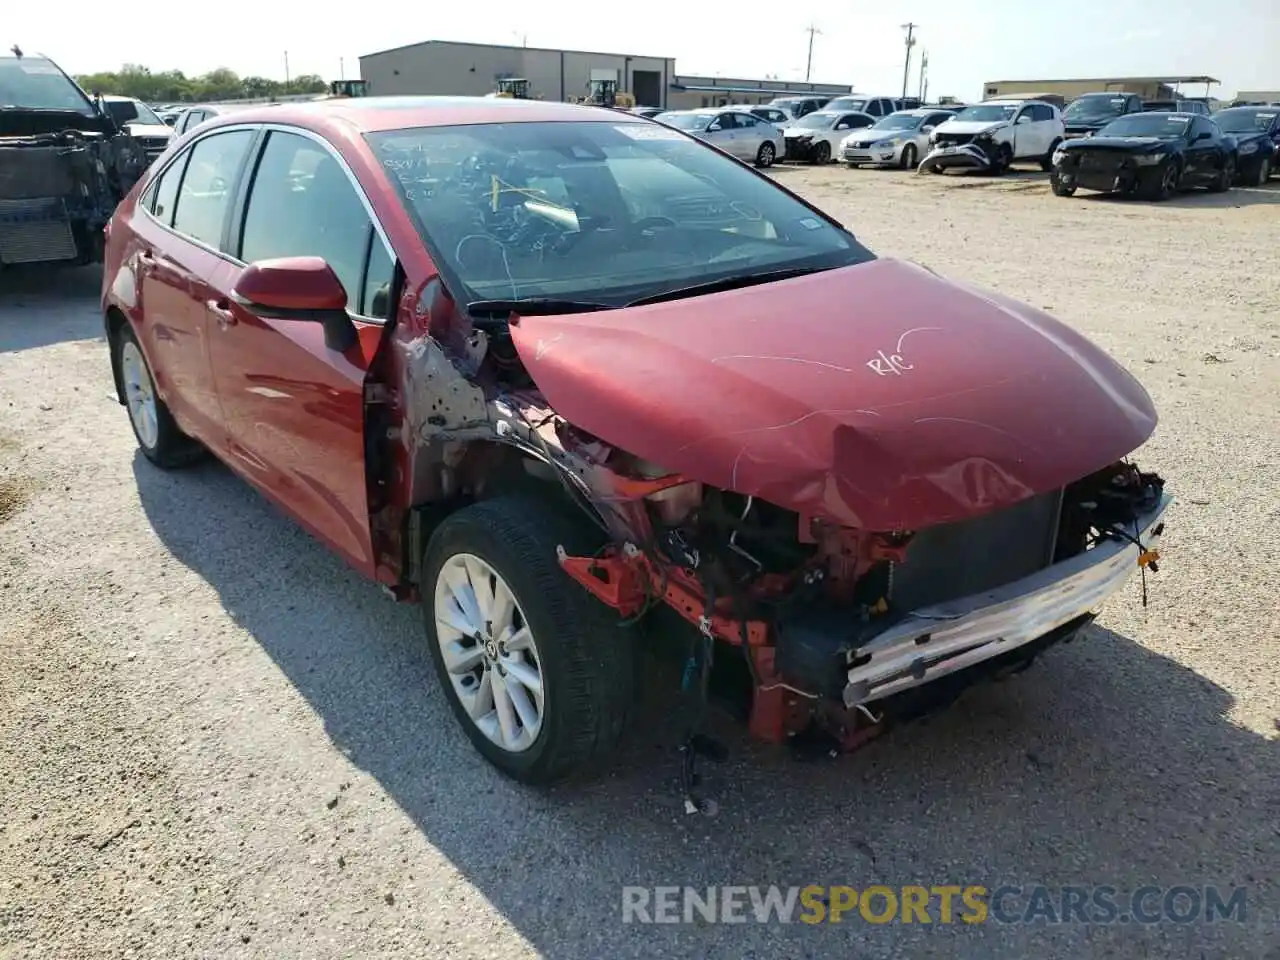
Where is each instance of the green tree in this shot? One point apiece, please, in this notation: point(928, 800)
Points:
point(173, 86)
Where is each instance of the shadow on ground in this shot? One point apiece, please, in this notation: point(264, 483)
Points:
point(1105, 764)
point(43, 305)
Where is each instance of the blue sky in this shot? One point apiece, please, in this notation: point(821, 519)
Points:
point(861, 42)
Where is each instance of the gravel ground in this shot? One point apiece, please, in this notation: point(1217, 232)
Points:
point(216, 741)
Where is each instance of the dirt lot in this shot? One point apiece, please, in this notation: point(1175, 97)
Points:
point(216, 741)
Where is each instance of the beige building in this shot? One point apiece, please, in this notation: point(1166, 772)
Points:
point(439, 67)
point(1149, 88)
point(1258, 96)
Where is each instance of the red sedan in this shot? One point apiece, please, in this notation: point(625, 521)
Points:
point(551, 369)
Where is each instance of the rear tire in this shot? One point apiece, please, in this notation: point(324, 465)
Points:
point(585, 661)
point(1046, 162)
point(159, 437)
point(765, 155)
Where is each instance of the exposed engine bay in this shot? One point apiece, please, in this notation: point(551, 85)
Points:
point(64, 165)
point(840, 629)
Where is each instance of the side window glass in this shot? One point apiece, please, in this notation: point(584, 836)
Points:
point(746, 120)
point(163, 194)
point(376, 299)
point(303, 204)
point(205, 196)
point(728, 121)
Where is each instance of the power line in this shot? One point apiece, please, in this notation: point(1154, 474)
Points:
point(911, 42)
point(808, 65)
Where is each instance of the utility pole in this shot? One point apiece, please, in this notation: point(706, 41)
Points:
point(911, 42)
point(286, 68)
point(808, 64)
point(342, 70)
point(924, 63)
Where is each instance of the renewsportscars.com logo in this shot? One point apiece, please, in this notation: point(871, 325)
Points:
point(946, 904)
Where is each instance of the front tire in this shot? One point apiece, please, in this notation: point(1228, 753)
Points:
point(1004, 160)
point(908, 161)
point(159, 437)
point(1167, 185)
point(1226, 176)
point(765, 155)
point(1061, 188)
point(822, 153)
point(535, 669)
point(1263, 172)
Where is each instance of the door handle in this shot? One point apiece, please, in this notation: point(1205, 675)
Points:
point(221, 310)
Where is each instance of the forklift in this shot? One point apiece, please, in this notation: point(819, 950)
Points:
point(515, 88)
point(348, 88)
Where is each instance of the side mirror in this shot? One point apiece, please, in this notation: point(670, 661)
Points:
point(714, 127)
point(1025, 118)
point(1202, 135)
point(298, 288)
point(928, 128)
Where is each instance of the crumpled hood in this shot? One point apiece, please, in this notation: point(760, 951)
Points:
point(878, 396)
point(1132, 144)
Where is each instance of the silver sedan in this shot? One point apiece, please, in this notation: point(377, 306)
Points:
point(898, 140)
point(733, 129)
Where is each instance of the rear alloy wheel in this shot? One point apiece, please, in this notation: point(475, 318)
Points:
point(536, 670)
point(1046, 162)
point(765, 155)
point(822, 153)
point(1226, 176)
point(159, 437)
point(908, 161)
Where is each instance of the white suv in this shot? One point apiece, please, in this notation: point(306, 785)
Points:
point(994, 134)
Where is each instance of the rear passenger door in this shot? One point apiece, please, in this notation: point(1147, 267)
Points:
point(181, 223)
point(295, 407)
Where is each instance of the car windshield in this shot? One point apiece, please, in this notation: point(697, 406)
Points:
point(1164, 126)
point(33, 83)
point(601, 211)
point(898, 121)
point(686, 121)
point(847, 104)
point(1098, 106)
point(1160, 106)
point(131, 111)
point(1245, 120)
point(988, 112)
point(817, 121)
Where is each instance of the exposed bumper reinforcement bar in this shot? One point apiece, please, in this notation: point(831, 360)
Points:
point(942, 639)
point(965, 155)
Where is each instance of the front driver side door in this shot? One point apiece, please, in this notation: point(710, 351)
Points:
point(295, 407)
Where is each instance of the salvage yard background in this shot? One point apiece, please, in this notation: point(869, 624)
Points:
point(215, 740)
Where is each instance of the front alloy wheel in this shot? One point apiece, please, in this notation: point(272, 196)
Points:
point(489, 652)
point(536, 670)
point(1264, 172)
point(766, 154)
point(1226, 176)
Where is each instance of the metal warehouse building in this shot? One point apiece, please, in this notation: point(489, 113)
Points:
point(473, 69)
point(1149, 88)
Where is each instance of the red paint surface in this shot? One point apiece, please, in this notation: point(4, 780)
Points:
point(292, 283)
point(772, 391)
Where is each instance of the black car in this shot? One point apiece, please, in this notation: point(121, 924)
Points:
point(1152, 155)
point(1090, 112)
point(64, 165)
point(1256, 131)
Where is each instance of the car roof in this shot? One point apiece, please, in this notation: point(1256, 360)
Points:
point(921, 111)
point(119, 98)
point(374, 114)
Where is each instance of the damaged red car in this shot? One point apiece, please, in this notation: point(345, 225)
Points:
point(559, 373)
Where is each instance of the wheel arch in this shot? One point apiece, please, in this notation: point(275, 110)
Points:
point(114, 321)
